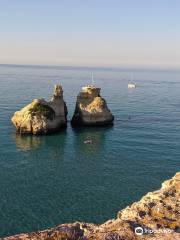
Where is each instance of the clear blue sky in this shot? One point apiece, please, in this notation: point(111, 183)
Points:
point(90, 32)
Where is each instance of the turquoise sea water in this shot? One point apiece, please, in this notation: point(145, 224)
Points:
point(48, 180)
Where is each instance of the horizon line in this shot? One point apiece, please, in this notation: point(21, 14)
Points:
point(107, 67)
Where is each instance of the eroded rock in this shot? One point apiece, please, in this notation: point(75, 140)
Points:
point(42, 117)
point(157, 209)
point(91, 109)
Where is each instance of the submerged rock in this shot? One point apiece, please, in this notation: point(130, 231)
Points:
point(91, 109)
point(42, 117)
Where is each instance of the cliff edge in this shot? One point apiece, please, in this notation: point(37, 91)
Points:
point(156, 216)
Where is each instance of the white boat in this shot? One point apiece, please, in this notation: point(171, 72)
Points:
point(131, 85)
point(88, 141)
point(89, 86)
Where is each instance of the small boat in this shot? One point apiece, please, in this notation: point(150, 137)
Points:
point(131, 85)
point(88, 141)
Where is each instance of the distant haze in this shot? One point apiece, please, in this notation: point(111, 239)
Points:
point(90, 32)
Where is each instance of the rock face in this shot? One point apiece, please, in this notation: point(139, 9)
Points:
point(91, 109)
point(157, 215)
point(42, 117)
point(157, 209)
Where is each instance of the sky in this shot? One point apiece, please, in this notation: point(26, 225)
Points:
point(90, 32)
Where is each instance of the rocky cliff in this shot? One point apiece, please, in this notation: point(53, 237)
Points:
point(155, 216)
point(42, 117)
point(91, 109)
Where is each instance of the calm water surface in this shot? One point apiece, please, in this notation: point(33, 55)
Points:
point(48, 180)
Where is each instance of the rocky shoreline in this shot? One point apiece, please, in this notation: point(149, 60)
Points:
point(155, 216)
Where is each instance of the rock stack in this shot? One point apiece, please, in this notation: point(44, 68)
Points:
point(42, 117)
point(91, 109)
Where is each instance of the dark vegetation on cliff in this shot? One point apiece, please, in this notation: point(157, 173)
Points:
point(42, 110)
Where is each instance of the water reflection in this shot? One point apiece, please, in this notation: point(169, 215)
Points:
point(27, 142)
point(53, 145)
point(90, 139)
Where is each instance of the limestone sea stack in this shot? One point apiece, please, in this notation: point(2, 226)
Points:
point(91, 109)
point(42, 117)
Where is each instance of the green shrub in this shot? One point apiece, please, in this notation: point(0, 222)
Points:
point(42, 110)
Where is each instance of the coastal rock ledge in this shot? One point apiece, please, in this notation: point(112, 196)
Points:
point(156, 216)
point(91, 109)
point(42, 117)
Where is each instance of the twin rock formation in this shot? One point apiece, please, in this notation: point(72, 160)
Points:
point(42, 117)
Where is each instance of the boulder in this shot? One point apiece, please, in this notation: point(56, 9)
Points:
point(42, 117)
point(91, 109)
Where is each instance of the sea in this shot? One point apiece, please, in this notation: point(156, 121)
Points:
point(55, 179)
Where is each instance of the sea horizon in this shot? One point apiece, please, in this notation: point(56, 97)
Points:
point(96, 68)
